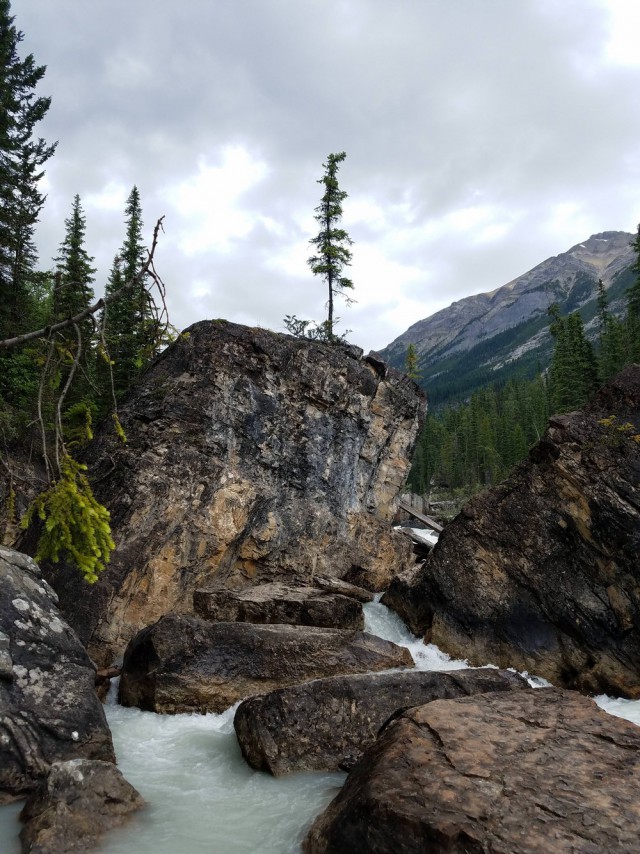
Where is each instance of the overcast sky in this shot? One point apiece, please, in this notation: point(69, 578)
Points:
point(482, 137)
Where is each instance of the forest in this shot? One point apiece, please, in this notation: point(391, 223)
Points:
point(466, 447)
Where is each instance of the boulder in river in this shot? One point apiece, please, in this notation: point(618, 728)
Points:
point(542, 572)
point(251, 457)
point(49, 710)
point(525, 772)
point(185, 664)
point(326, 724)
point(78, 802)
point(280, 603)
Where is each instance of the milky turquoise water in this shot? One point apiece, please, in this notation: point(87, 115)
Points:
point(201, 795)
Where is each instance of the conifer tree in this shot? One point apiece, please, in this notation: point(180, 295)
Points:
point(411, 363)
point(21, 159)
point(129, 320)
point(75, 273)
point(332, 243)
point(633, 307)
point(611, 355)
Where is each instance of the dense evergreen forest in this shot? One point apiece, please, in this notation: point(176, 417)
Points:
point(64, 358)
point(472, 445)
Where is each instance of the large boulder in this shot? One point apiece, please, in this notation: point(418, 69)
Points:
point(528, 772)
point(326, 724)
point(49, 710)
point(78, 802)
point(251, 457)
point(280, 603)
point(541, 573)
point(184, 664)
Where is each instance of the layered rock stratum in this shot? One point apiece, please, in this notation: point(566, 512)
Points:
point(251, 457)
point(542, 572)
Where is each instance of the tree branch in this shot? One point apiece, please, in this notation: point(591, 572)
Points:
point(47, 331)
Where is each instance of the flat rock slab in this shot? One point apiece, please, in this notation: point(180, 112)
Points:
point(327, 724)
point(49, 710)
point(185, 664)
point(338, 585)
point(75, 806)
point(280, 603)
point(535, 771)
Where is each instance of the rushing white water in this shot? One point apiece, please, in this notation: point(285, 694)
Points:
point(203, 797)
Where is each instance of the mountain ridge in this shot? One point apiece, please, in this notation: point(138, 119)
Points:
point(504, 332)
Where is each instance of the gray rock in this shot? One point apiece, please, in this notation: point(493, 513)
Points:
point(524, 772)
point(325, 725)
point(251, 457)
point(338, 585)
point(184, 664)
point(541, 573)
point(279, 603)
point(78, 802)
point(49, 710)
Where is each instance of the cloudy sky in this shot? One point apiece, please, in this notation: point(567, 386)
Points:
point(482, 136)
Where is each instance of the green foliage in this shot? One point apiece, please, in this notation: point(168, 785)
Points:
point(74, 525)
point(332, 243)
point(312, 330)
point(573, 375)
point(411, 363)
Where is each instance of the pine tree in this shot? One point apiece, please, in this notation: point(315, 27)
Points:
point(411, 363)
point(633, 307)
point(75, 273)
point(129, 320)
point(21, 159)
point(611, 354)
point(332, 243)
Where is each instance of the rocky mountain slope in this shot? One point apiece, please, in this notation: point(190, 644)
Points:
point(491, 336)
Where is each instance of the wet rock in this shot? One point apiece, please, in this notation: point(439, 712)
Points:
point(78, 802)
point(49, 710)
point(251, 457)
point(541, 573)
point(535, 771)
point(184, 664)
point(326, 725)
point(279, 603)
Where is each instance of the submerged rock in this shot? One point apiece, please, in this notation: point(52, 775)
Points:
point(527, 772)
point(251, 457)
point(184, 664)
point(49, 710)
point(78, 802)
point(325, 725)
point(280, 603)
point(542, 573)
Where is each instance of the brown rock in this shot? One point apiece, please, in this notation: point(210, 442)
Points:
point(326, 724)
point(49, 710)
point(184, 664)
point(78, 802)
point(337, 585)
point(542, 573)
point(526, 772)
point(251, 457)
point(279, 603)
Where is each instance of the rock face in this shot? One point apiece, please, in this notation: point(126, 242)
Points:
point(251, 457)
point(279, 603)
point(536, 771)
point(542, 572)
point(49, 710)
point(184, 664)
point(327, 724)
point(79, 801)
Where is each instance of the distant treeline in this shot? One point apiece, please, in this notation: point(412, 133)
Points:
point(475, 444)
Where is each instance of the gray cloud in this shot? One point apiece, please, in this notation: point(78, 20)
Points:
point(481, 138)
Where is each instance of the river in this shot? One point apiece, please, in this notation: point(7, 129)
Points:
point(203, 797)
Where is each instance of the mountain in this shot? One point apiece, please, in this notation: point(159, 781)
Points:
point(493, 336)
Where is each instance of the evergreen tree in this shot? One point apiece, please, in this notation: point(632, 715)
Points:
point(611, 355)
point(411, 363)
point(130, 327)
point(75, 273)
point(633, 307)
point(331, 243)
point(21, 159)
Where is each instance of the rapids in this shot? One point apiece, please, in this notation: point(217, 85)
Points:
point(201, 795)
